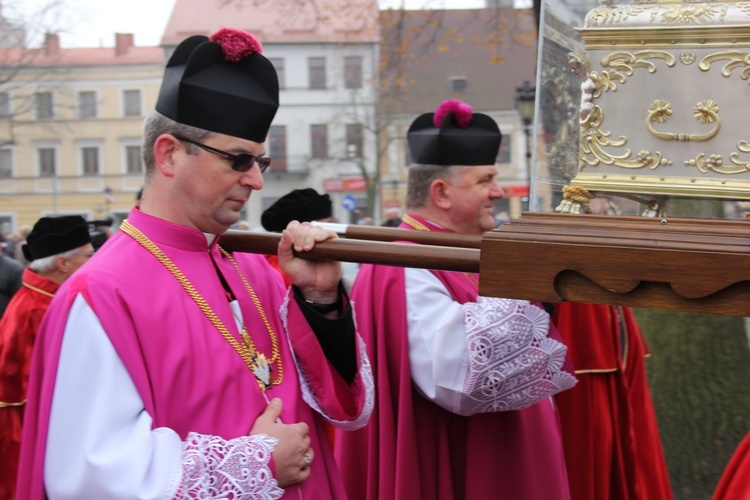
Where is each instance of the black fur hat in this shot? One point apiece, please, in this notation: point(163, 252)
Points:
point(56, 235)
point(304, 205)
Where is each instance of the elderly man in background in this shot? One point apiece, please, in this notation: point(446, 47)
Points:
point(55, 248)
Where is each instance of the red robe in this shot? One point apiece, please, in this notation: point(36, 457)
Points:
point(735, 481)
point(274, 261)
point(18, 329)
point(610, 436)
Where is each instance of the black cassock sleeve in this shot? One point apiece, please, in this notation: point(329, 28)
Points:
point(336, 336)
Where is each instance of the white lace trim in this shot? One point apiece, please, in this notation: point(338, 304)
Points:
point(215, 468)
point(512, 363)
point(365, 373)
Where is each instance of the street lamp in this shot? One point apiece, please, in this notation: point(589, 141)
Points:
point(525, 97)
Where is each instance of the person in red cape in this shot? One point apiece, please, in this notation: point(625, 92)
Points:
point(734, 483)
point(55, 248)
point(464, 382)
point(610, 434)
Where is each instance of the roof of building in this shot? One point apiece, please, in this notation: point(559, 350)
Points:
point(124, 53)
point(277, 21)
point(493, 49)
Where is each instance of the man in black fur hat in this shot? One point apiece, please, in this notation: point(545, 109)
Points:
point(304, 205)
point(55, 248)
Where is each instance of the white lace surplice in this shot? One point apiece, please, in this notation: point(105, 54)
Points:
point(484, 356)
point(110, 449)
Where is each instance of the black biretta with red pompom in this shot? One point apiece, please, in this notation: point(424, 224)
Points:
point(454, 135)
point(222, 84)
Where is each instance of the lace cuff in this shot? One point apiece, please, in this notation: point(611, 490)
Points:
point(512, 363)
point(215, 468)
point(364, 370)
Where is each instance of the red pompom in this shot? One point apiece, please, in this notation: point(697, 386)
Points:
point(461, 112)
point(236, 44)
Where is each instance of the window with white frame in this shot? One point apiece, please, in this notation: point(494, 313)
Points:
point(459, 83)
point(7, 221)
point(90, 159)
point(43, 105)
point(503, 155)
point(6, 163)
point(133, 159)
point(87, 104)
point(46, 157)
point(5, 110)
point(353, 72)
point(131, 102)
point(278, 64)
point(319, 138)
point(354, 140)
point(317, 72)
point(277, 146)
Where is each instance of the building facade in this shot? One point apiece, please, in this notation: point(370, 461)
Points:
point(352, 79)
point(70, 129)
point(326, 55)
point(479, 56)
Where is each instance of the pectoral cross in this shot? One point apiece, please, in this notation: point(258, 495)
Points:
point(261, 368)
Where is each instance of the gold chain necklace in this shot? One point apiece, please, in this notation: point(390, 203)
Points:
point(414, 223)
point(256, 361)
point(38, 290)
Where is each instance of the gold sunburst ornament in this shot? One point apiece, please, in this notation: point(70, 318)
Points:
point(706, 111)
point(659, 111)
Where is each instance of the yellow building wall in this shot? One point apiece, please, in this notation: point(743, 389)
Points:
point(26, 197)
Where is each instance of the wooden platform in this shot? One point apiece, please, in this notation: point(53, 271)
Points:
point(696, 265)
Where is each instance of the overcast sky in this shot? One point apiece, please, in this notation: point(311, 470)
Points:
point(98, 20)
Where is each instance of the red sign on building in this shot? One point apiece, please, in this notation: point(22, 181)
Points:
point(351, 184)
point(516, 191)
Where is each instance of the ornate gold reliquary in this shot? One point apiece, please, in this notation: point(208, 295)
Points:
point(665, 99)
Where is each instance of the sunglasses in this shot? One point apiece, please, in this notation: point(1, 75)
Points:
point(240, 162)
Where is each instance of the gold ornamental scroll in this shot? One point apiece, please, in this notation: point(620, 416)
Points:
point(664, 93)
point(642, 100)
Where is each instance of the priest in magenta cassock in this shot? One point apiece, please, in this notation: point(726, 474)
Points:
point(167, 367)
point(464, 383)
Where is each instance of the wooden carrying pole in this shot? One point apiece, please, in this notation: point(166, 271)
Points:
point(694, 265)
point(437, 251)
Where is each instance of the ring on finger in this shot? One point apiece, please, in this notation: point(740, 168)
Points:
point(308, 460)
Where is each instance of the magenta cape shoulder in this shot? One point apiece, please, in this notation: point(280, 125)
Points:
point(188, 376)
